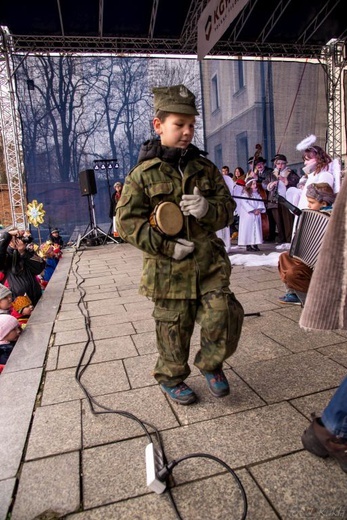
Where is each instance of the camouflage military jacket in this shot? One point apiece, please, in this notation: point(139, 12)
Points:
point(166, 174)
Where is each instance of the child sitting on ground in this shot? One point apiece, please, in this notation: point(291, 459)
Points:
point(10, 331)
point(294, 273)
point(22, 309)
point(5, 299)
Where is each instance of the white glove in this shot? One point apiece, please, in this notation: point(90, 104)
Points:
point(195, 204)
point(182, 249)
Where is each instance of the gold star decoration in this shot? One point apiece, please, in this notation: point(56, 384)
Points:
point(35, 213)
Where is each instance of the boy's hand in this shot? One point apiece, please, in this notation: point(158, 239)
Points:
point(195, 204)
point(182, 249)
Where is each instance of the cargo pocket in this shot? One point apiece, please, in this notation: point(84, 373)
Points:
point(235, 321)
point(168, 335)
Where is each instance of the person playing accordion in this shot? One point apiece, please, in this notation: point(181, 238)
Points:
point(294, 272)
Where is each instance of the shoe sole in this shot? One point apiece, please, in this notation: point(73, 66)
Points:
point(289, 303)
point(223, 394)
point(190, 400)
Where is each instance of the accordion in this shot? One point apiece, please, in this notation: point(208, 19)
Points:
point(308, 237)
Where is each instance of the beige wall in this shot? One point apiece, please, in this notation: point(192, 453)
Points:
point(299, 108)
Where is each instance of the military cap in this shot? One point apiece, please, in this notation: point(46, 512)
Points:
point(177, 99)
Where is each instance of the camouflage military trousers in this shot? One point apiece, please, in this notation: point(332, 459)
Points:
point(220, 316)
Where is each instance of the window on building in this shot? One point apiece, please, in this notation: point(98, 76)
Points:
point(214, 94)
point(242, 150)
point(239, 75)
point(218, 156)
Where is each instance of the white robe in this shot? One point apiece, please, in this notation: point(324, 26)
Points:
point(250, 226)
point(224, 233)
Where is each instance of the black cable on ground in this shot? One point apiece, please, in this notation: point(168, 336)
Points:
point(164, 473)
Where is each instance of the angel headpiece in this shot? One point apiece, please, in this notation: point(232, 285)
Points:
point(306, 143)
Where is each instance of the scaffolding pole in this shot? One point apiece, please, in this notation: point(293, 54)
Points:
point(10, 133)
point(335, 57)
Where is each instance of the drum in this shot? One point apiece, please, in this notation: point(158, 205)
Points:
point(166, 218)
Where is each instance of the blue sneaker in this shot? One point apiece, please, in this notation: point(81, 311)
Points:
point(290, 299)
point(217, 383)
point(180, 393)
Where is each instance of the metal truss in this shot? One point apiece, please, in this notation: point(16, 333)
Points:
point(44, 45)
point(335, 58)
point(10, 134)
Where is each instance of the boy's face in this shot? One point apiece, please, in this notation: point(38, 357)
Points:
point(314, 204)
point(5, 303)
point(14, 334)
point(176, 131)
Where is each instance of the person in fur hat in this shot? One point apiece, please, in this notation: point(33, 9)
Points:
point(22, 309)
point(5, 299)
point(10, 331)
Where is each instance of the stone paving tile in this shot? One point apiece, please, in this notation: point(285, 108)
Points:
point(110, 306)
point(323, 482)
point(312, 403)
point(6, 491)
point(219, 498)
point(149, 507)
point(78, 335)
point(255, 347)
point(120, 314)
point(15, 416)
point(106, 480)
point(51, 483)
point(144, 325)
point(297, 339)
point(254, 286)
point(241, 439)
point(71, 336)
point(213, 497)
point(295, 376)
point(102, 378)
point(105, 350)
point(337, 353)
point(251, 304)
point(95, 292)
point(145, 342)
point(208, 407)
point(52, 359)
point(69, 324)
point(55, 429)
point(30, 348)
point(140, 370)
point(147, 404)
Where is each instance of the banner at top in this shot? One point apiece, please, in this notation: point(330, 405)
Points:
point(214, 21)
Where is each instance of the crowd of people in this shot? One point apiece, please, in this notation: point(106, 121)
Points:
point(25, 270)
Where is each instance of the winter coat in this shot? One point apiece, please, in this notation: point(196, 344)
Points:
point(19, 271)
point(165, 174)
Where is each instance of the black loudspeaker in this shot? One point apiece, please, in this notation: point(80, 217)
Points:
point(87, 182)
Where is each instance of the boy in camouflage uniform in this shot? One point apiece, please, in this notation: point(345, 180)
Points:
point(187, 275)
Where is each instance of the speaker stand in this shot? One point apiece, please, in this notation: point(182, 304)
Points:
point(92, 231)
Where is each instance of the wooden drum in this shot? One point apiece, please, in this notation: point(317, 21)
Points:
point(167, 218)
